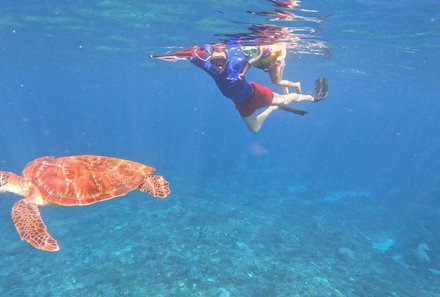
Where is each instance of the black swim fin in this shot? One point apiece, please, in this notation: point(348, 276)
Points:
point(292, 110)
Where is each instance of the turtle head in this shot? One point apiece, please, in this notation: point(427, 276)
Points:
point(4, 180)
point(10, 182)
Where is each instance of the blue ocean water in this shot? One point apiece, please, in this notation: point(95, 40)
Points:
point(340, 202)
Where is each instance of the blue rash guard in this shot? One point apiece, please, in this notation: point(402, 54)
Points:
point(239, 90)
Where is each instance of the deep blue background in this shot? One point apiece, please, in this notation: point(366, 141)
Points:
point(75, 79)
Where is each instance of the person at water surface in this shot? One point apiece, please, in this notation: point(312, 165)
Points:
point(224, 63)
point(271, 59)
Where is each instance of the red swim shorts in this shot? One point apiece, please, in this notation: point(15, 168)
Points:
point(261, 97)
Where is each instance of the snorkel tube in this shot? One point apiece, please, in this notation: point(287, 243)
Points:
point(256, 56)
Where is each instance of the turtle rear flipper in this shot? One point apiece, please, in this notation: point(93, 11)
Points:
point(27, 219)
point(156, 186)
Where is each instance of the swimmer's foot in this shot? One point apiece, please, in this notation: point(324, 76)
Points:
point(297, 87)
point(321, 89)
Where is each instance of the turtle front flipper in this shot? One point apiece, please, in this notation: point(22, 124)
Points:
point(156, 186)
point(27, 219)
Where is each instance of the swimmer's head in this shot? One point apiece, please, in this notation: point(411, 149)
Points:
point(219, 58)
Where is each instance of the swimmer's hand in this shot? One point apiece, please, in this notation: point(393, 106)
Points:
point(240, 76)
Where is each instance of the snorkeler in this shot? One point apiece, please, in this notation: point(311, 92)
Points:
point(271, 58)
point(226, 63)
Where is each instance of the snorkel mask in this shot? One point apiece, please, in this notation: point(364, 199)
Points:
point(249, 51)
point(219, 60)
point(218, 63)
point(252, 53)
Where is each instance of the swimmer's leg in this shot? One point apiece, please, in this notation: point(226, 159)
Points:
point(279, 99)
point(254, 122)
point(276, 76)
point(320, 93)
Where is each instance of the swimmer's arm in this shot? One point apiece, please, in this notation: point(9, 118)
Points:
point(283, 53)
point(245, 70)
point(281, 57)
point(197, 61)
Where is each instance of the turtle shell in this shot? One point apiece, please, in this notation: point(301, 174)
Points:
point(83, 180)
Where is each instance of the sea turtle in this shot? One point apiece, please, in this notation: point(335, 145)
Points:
point(72, 181)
